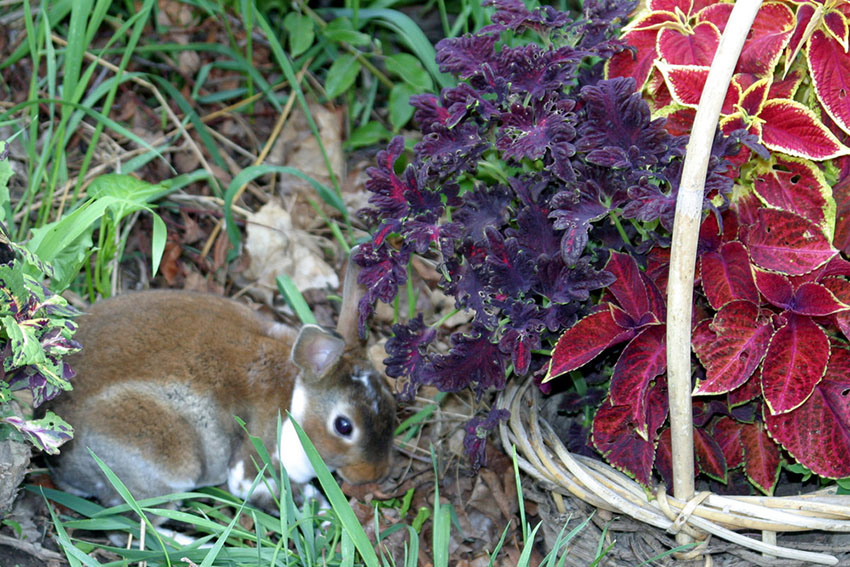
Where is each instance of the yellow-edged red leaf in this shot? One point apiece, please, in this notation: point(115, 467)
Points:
point(635, 64)
point(640, 363)
point(726, 275)
point(795, 362)
point(583, 342)
point(829, 68)
point(797, 185)
point(817, 433)
point(696, 46)
point(761, 457)
point(768, 36)
point(731, 346)
point(785, 242)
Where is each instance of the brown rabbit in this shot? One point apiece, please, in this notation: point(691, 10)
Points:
point(163, 373)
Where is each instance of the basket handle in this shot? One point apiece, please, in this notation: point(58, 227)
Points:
point(684, 246)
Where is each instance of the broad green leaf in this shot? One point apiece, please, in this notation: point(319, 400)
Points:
point(301, 32)
point(369, 134)
point(341, 75)
point(341, 30)
point(400, 108)
point(411, 71)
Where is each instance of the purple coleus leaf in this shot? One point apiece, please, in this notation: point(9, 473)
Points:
point(476, 432)
point(514, 15)
point(383, 270)
point(521, 334)
point(533, 72)
point(473, 362)
point(573, 211)
point(486, 206)
point(528, 131)
point(407, 348)
point(386, 187)
point(618, 131)
point(464, 56)
point(454, 150)
point(511, 265)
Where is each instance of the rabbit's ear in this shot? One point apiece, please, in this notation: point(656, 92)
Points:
point(316, 350)
point(352, 292)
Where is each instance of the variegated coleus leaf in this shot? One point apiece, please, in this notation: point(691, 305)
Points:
point(795, 363)
point(796, 185)
point(726, 275)
point(615, 435)
point(731, 345)
point(761, 457)
point(817, 433)
point(46, 434)
point(785, 242)
point(829, 68)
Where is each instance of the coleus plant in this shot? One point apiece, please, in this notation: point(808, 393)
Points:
point(529, 173)
point(772, 303)
point(36, 330)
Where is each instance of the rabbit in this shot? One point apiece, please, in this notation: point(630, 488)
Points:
point(163, 373)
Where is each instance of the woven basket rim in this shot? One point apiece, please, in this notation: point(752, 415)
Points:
point(542, 455)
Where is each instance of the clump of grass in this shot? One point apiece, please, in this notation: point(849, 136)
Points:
point(228, 531)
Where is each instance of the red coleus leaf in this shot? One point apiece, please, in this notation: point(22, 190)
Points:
point(817, 434)
point(776, 288)
point(840, 288)
point(615, 435)
point(750, 390)
point(686, 82)
point(637, 63)
point(726, 275)
point(796, 185)
point(768, 36)
point(785, 242)
point(583, 342)
point(807, 298)
point(727, 434)
point(695, 46)
point(829, 68)
point(629, 288)
point(835, 25)
point(664, 457)
point(791, 127)
point(795, 362)
point(731, 346)
point(709, 456)
point(761, 457)
point(640, 363)
point(716, 13)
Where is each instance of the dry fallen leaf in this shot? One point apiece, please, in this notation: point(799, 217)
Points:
point(296, 147)
point(276, 248)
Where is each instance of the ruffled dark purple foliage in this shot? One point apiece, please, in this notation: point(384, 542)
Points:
point(477, 430)
point(517, 191)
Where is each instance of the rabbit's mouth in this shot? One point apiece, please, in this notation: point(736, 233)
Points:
point(362, 473)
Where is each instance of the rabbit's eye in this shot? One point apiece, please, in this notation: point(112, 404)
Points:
point(343, 426)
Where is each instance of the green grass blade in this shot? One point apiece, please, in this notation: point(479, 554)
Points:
point(288, 72)
point(295, 300)
point(338, 501)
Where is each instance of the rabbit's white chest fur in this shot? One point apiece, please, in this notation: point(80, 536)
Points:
point(289, 454)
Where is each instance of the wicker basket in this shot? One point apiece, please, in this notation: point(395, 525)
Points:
point(692, 517)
